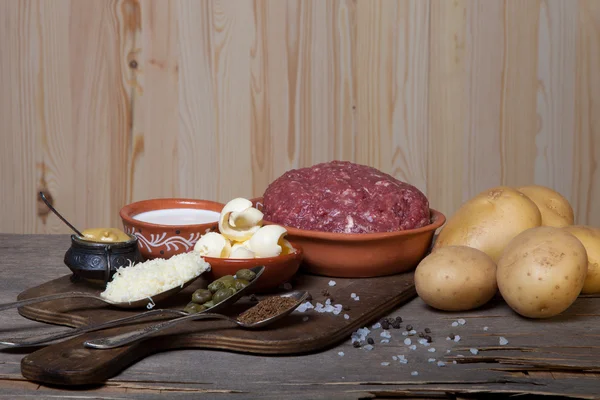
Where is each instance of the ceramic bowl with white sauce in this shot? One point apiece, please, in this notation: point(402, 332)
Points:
point(165, 227)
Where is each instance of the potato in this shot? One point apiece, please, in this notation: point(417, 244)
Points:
point(490, 220)
point(456, 278)
point(541, 272)
point(555, 209)
point(590, 238)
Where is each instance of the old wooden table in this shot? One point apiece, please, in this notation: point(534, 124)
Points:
point(559, 356)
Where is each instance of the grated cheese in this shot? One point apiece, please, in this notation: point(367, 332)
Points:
point(147, 279)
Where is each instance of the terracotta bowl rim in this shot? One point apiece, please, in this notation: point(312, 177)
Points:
point(126, 213)
point(438, 219)
point(297, 255)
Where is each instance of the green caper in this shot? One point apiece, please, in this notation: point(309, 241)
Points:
point(193, 308)
point(245, 274)
point(240, 284)
point(228, 280)
point(209, 304)
point(216, 286)
point(223, 294)
point(201, 296)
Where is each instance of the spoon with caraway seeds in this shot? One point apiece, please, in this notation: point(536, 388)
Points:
point(264, 313)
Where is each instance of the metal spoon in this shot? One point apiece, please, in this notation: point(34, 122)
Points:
point(45, 200)
point(142, 303)
point(28, 342)
point(136, 335)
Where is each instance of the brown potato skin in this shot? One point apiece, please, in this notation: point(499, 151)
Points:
point(554, 207)
point(590, 238)
point(541, 272)
point(456, 278)
point(490, 220)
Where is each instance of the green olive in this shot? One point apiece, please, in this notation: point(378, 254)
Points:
point(223, 294)
point(209, 304)
point(245, 274)
point(193, 308)
point(201, 296)
point(240, 284)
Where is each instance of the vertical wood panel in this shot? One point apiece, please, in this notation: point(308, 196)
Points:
point(112, 101)
point(391, 86)
point(586, 182)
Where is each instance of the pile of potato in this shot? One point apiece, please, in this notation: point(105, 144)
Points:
point(520, 241)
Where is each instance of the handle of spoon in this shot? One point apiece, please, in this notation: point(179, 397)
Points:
point(84, 329)
point(138, 334)
point(45, 200)
point(50, 297)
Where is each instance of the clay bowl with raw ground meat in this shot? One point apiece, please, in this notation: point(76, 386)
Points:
point(363, 255)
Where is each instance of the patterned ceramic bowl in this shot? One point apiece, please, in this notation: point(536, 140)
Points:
point(166, 227)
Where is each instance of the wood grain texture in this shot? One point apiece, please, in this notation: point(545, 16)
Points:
point(120, 100)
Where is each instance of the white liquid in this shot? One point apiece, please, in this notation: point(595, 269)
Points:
point(178, 216)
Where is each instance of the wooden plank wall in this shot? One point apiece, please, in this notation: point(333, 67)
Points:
point(106, 102)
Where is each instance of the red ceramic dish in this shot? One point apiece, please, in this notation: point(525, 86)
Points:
point(278, 269)
point(164, 241)
point(363, 255)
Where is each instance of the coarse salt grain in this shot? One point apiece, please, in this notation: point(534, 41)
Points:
point(341, 353)
point(448, 351)
point(331, 283)
point(385, 363)
point(360, 335)
point(407, 341)
point(431, 360)
point(304, 307)
point(368, 347)
point(457, 338)
point(412, 332)
point(485, 328)
point(327, 302)
point(455, 324)
point(474, 351)
point(441, 364)
point(346, 316)
point(376, 326)
point(395, 358)
point(404, 333)
point(385, 340)
point(385, 334)
point(403, 361)
point(460, 356)
point(423, 341)
point(305, 318)
point(356, 298)
point(414, 373)
point(461, 321)
point(431, 350)
point(502, 340)
point(412, 347)
point(353, 295)
point(454, 362)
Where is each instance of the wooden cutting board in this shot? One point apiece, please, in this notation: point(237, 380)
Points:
point(70, 363)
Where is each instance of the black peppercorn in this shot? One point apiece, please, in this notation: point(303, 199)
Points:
point(385, 324)
point(452, 336)
point(427, 330)
point(421, 335)
point(409, 327)
point(396, 325)
point(428, 338)
point(356, 344)
point(399, 319)
point(370, 340)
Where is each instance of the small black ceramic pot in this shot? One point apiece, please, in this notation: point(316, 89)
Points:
point(97, 262)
